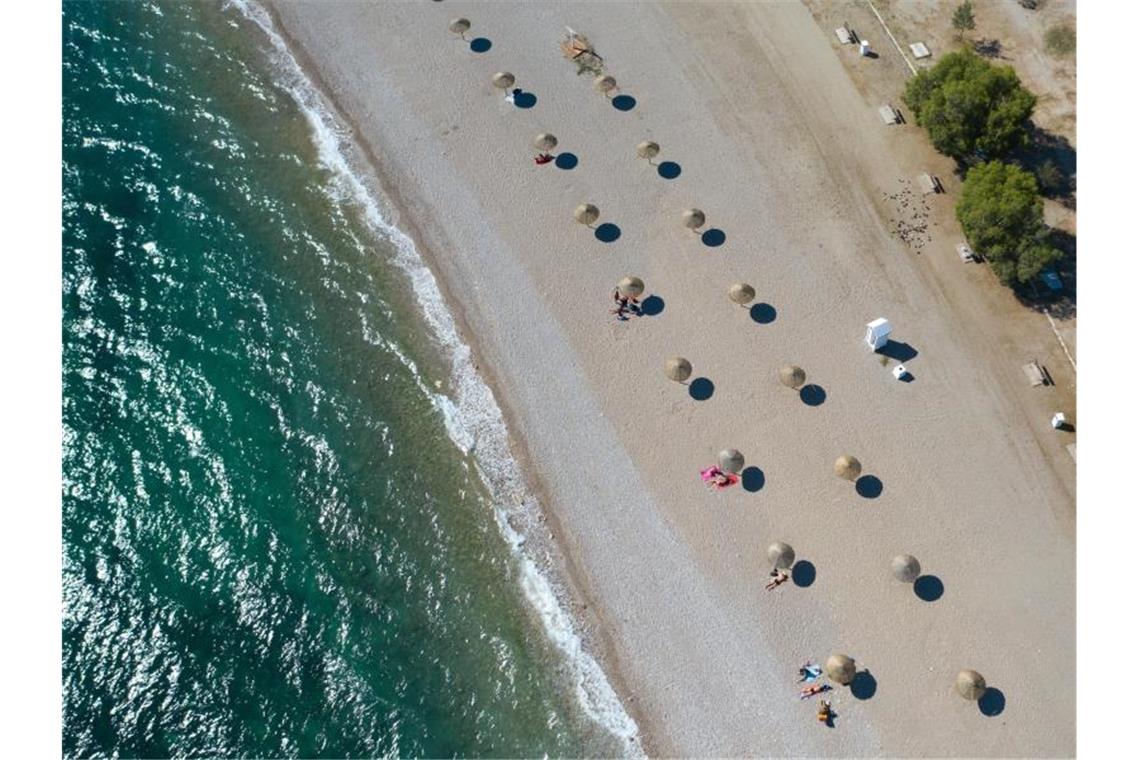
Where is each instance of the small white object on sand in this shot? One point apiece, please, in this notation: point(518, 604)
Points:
point(919, 50)
point(844, 35)
point(1058, 420)
point(900, 372)
point(888, 114)
point(877, 333)
point(864, 47)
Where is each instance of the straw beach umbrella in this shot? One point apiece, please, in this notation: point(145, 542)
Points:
point(545, 142)
point(781, 555)
point(678, 369)
point(731, 460)
point(840, 668)
point(792, 376)
point(906, 568)
point(504, 80)
point(459, 26)
point(970, 684)
point(848, 467)
point(694, 219)
point(648, 150)
point(586, 213)
point(604, 83)
point(631, 286)
point(741, 293)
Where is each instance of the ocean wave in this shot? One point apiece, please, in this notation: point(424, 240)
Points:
point(472, 417)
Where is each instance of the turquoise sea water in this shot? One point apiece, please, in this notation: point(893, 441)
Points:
point(272, 544)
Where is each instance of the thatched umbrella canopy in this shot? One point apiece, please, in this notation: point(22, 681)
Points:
point(970, 684)
point(678, 369)
point(604, 83)
point(906, 568)
point(459, 26)
point(840, 668)
point(731, 460)
point(848, 467)
point(586, 213)
point(792, 376)
point(631, 286)
point(648, 150)
point(741, 293)
point(504, 80)
point(781, 555)
point(694, 218)
point(545, 141)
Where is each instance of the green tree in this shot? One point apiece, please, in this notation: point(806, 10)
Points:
point(963, 19)
point(1002, 216)
point(969, 106)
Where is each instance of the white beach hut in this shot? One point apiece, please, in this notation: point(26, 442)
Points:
point(877, 333)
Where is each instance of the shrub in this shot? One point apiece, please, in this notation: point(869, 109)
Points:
point(963, 19)
point(970, 107)
point(1001, 214)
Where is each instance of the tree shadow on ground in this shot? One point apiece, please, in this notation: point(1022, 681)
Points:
point(989, 48)
point(1060, 304)
point(1058, 181)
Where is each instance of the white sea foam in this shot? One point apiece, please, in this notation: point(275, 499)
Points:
point(473, 419)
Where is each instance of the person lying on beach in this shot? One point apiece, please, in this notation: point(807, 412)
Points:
point(824, 713)
point(717, 478)
point(779, 578)
point(813, 689)
point(545, 158)
point(626, 304)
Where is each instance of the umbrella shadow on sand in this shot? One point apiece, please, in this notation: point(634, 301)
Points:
point(566, 161)
point(700, 389)
point(992, 702)
point(752, 479)
point(480, 45)
point(763, 313)
point(653, 306)
point(803, 573)
point(929, 588)
point(864, 686)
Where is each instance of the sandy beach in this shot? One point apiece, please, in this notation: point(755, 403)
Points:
point(785, 157)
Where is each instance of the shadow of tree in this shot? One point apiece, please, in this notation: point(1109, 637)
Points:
point(1060, 304)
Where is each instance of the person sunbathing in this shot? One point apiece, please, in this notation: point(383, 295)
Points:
point(545, 158)
point(824, 713)
point(717, 478)
point(812, 689)
point(779, 577)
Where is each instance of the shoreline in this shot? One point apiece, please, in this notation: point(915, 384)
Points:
point(551, 559)
point(711, 641)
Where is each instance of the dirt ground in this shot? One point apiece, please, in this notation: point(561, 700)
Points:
point(1032, 330)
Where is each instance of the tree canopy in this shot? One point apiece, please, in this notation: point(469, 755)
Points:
point(969, 107)
point(963, 19)
point(1001, 214)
